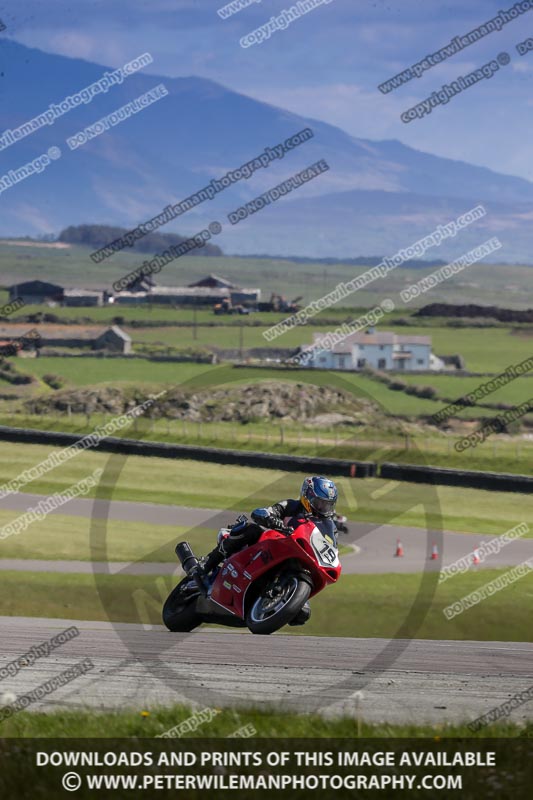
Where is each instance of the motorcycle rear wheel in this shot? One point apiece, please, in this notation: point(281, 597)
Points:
point(179, 611)
point(268, 614)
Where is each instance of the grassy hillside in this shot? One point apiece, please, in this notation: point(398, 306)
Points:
point(91, 371)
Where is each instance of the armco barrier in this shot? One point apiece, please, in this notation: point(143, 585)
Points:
point(501, 482)
point(330, 466)
point(496, 481)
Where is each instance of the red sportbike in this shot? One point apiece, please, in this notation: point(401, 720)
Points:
point(262, 587)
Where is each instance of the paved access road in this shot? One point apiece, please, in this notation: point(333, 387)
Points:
point(375, 544)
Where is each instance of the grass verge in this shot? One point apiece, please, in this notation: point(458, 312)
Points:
point(368, 442)
point(362, 606)
point(150, 723)
point(67, 538)
point(184, 482)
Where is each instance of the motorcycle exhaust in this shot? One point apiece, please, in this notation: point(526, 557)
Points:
point(190, 564)
point(186, 557)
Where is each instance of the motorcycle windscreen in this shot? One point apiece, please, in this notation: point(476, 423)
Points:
point(324, 542)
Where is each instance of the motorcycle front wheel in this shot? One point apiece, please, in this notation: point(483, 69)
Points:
point(179, 611)
point(278, 604)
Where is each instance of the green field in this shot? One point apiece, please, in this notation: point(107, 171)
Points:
point(484, 283)
point(450, 386)
point(488, 350)
point(90, 371)
point(204, 485)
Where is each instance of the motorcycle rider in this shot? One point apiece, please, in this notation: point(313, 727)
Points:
point(318, 497)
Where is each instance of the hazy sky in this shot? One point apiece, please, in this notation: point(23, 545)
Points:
point(325, 65)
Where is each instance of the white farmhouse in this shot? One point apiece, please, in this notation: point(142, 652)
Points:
point(384, 351)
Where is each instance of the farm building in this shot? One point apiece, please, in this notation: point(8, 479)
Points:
point(205, 292)
point(95, 337)
point(172, 295)
point(82, 297)
point(42, 293)
point(184, 295)
point(384, 351)
point(236, 294)
point(208, 291)
point(36, 293)
point(212, 281)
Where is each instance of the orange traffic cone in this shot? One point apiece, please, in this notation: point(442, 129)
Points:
point(399, 549)
point(476, 559)
point(434, 552)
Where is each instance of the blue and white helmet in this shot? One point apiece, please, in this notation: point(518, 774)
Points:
point(319, 496)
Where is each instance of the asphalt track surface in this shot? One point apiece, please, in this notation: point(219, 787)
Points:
point(416, 681)
point(374, 545)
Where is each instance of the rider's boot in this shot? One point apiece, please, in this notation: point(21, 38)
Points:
point(219, 553)
point(227, 545)
point(211, 561)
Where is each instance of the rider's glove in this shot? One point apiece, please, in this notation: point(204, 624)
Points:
point(262, 517)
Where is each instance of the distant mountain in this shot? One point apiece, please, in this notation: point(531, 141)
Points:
point(361, 221)
point(376, 197)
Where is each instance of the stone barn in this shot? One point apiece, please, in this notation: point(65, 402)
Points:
point(94, 337)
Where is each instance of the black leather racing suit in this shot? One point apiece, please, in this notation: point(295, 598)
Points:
point(250, 533)
point(246, 534)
